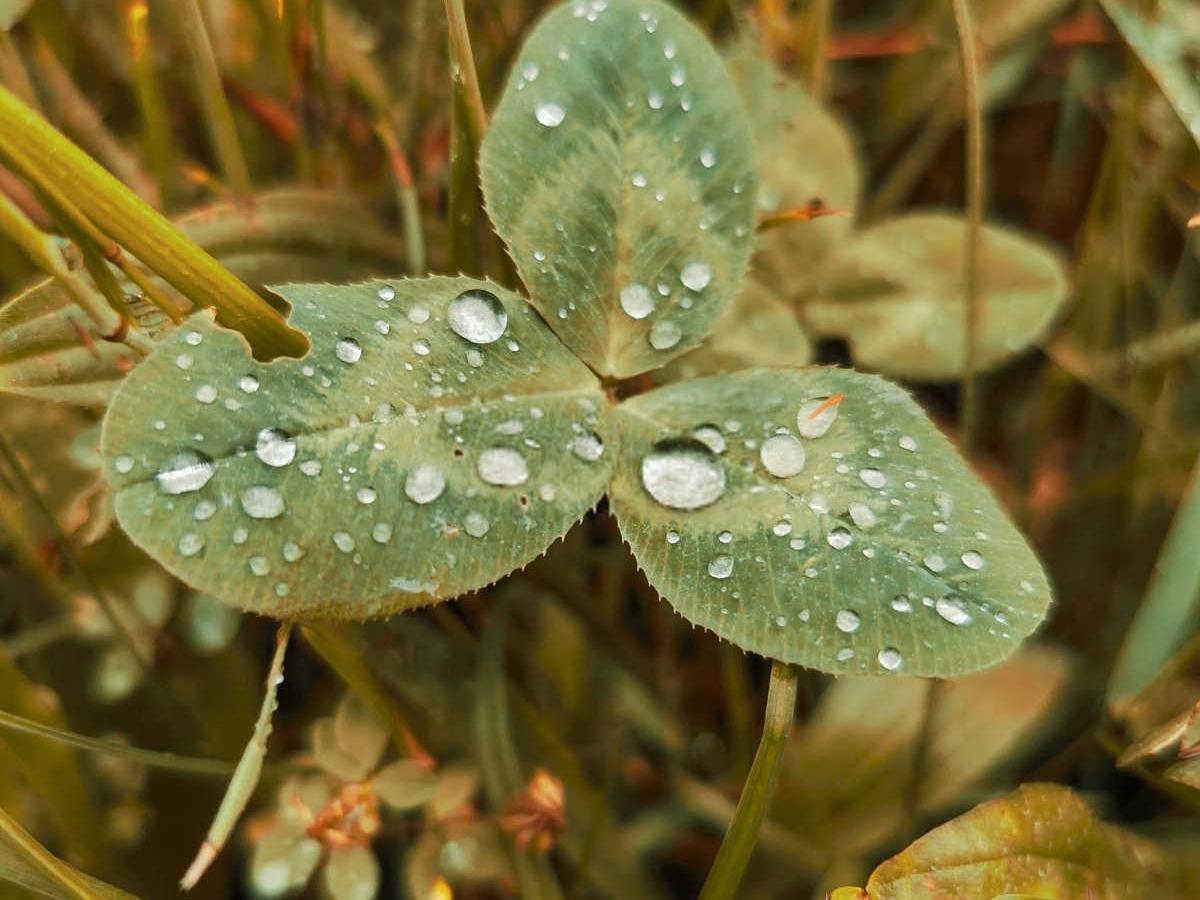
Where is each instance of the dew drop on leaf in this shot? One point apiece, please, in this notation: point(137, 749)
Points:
point(682, 474)
point(721, 567)
point(262, 502)
point(861, 515)
point(890, 659)
point(696, 276)
point(343, 541)
point(381, 533)
point(248, 384)
point(275, 448)
point(348, 350)
point(477, 316)
point(476, 524)
point(636, 300)
point(205, 510)
point(190, 544)
point(839, 538)
point(953, 611)
point(502, 466)
point(123, 464)
point(588, 447)
point(847, 621)
point(972, 560)
point(365, 495)
point(549, 114)
point(711, 437)
point(424, 484)
point(664, 334)
point(873, 478)
point(185, 472)
point(782, 455)
point(817, 416)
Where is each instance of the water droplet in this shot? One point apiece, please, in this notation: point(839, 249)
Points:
point(248, 384)
point(873, 478)
point(861, 515)
point(889, 658)
point(190, 544)
point(901, 604)
point(847, 621)
point(972, 560)
point(292, 551)
point(721, 567)
point(639, 179)
point(311, 467)
point(477, 316)
point(418, 315)
point(383, 327)
point(782, 455)
point(529, 71)
point(275, 448)
point(387, 293)
point(259, 565)
point(664, 334)
point(725, 537)
point(934, 563)
point(424, 484)
point(343, 541)
point(381, 533)
point(654, 100)
point(502, 466)
point(588, 447)
point(672, 537)
point(348, 350)
point(123, 464)
point(839, 538)
point(708, 157)
point(953, 611)
point(711, 437)
point(549, 114)
point(421, 347)
point(682, 474)
point(474, 358)
point(184, 360)
point(696, 276)
point(193, 338)
point(365, 495)
point(907, 443)
point(844, 655)
point(206, 393)
point(185, 472)
point(476, 524)
point(815, 417)
point(262, 502)
point(637, 301)
point(782, 528)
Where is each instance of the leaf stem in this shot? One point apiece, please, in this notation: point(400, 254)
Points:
point(921, 745)
point(156, 129)
point(217, 114)
point(759, 789)
point(968, 45)
point(406, 195)
point(43, 156)
point(54, 869)
point(466, 80)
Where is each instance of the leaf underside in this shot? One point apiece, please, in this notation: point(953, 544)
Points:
point(1041, 840)
point(897, 293)
point(620, 160)
point(388, 388)
point(933, 541)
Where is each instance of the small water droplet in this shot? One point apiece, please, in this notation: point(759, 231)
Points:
point(424, 484)
point(654, 100)
point(383, 327)
point(418, 314)
point(639, 180)
point(262, 502)
point(907, 443)
point(365, 495)
point(696, 276)
point(725, 537)
point(421, 347)
point(588, 447)
point(901, 604)
point(664, 334)
point(502, 466)
point(934, 563)
point(636, 300)
point(476, 524)
point(847, 621)
point(275, 448)
point(549, 114)
point(348, 350)
point(343, 541)
point(815, 417)
point(193, 338)
point(248, 384)
point(839, 538)
point(477, 316)
point(889, 658)
point(861, 515)
point(474, 358)
point(721, 567)
point(782, 455)
point(184, 361)
point(782, 528)
point(292, 551)
point(190, 544)
point(206, 393)
point(259, 565)
point(711, 437)
point(972, 560)
point(682, 474)
point(873, 478)
point(708, 157)
point(123, 464)
point(381, 532)
point(844, 655)
point(953, 611)
point(185, 472)
point(311, 467)
point(672, 537)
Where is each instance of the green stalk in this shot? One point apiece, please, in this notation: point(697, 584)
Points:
point(759, 789)
point(1168, 612)
point(46, 158)
point(45, 863)
point(466, 79)
point(217, 114)
point(156, 128)
point(965, 26)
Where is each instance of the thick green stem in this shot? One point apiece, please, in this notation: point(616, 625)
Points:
point(46, 158)
point(742, 835)
point(466, 80)
point(156, 127)
point(217, 114)
point(975, 202)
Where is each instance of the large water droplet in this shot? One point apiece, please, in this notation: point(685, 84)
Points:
point(890, 659)
point(721, 567)
point(839, 538)
point(664, 334)
point(424, 484)
point(478, 316)
point(502, 466)
point(549, 113)
point(348, 350)
point(696, 276)
point(274, 447)
point(782, 455)
point(262, 502)
point(588, 447)
point(636, 300)
point(185, 472)
point(816, 416)
point(847, 621)
point(682, 474)
point(972, 560)
point(953, 611)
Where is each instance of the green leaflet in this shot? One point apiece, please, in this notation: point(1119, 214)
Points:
point(804, 154)
point(896, 293)
point(619, 170)
point(1040, 840)
point(882, 553)
point(399, 463)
